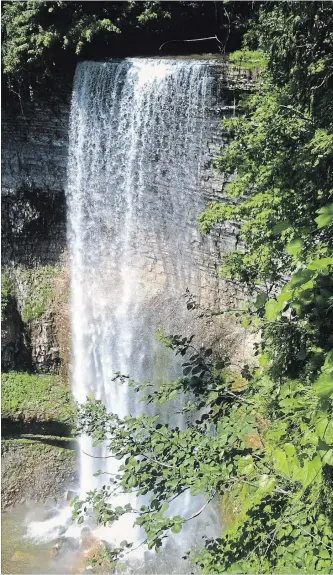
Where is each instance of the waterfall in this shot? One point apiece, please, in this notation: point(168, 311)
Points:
point(137, 129)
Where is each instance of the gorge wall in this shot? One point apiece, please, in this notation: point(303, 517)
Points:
point(35, 260)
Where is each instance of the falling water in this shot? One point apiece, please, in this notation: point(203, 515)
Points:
point(136, 134)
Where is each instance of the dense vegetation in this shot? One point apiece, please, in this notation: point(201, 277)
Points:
point(263, 439)
point(43, 40)
point(260, 441)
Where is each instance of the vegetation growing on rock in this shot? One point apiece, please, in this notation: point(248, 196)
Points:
point(36, 285)
point(40, 398)
point(6, 293)
point(31, 287)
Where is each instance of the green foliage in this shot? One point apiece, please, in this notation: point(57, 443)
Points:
point(166, 461)
point(248, 59)
point(32, 288)
point(35, 397)
point(282, 151)
point(43, 40)
point(235, 443)
point(37, 34)
point(33, 31)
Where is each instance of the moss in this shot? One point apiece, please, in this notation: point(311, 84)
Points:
point(230, 508)
point(38, 286)
point(33, 289)
point(36, 397)
point(6, 293)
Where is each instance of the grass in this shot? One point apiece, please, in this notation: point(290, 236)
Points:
point(36, 397)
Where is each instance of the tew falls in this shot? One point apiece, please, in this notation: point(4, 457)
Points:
point(138, 129)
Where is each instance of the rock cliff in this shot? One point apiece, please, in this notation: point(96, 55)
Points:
point(34, 159)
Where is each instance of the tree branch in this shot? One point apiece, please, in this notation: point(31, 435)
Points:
point(192, 40)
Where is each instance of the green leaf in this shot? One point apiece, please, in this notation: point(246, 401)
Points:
point(325, 217)
point(289, 449)
point(320, 263)
point(324, 385)
point(294, 247)
point(324, 554)
point(245, 465)
point(321, 425)
point(285, 464)
point(264, 360)
point(176, 528)
point(309, 472)
point(261, 300)
point(325, 453)
point(267, 483)
point(301, 279)
point(280, 227)
point(272, 309)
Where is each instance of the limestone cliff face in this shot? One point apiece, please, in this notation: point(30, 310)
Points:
point(34, 160)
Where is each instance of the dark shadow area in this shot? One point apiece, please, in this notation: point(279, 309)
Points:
point(33, 228)
point(15, 342)
point(17, 427)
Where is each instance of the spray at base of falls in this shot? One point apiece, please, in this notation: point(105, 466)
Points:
point(137, 130)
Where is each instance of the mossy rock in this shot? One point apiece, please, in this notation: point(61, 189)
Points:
point(6, 293)
point(38, 286)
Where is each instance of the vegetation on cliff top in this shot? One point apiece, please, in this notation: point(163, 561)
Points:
point(43, 40)
point(262, 439)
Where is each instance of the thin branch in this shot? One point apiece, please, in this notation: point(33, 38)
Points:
point(156, 461)
point(201, 509)
point(192, 40)
point(297, 112)
point(98, 456)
